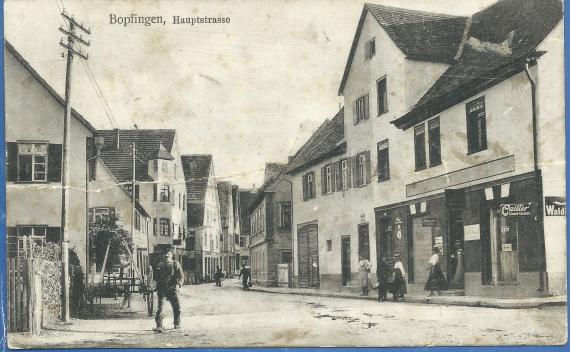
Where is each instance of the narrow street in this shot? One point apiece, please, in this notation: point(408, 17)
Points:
point(230, 317)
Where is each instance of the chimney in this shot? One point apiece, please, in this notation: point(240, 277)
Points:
point(290, 158)
point(117, 138)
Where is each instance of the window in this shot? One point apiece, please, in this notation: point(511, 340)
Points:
point(100, 214)
point(383, 161)
point(164, 193)
point(361, 109)
point(344, 172)
point(32, 161)
point(285, 215)
point(329, 245)
point(370, 49)
point(164, 227)
point(179, 200)
point(164, 165)
point(309, 186)
point(183, 202)
point(326, 179)
point(419, 146)
point(191, 241)
point(154, 227)
point(434, 142)
point(476, 126)
point(382, 96)
point(155, 165)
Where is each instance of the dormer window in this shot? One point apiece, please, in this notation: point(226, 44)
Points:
point(370, 49)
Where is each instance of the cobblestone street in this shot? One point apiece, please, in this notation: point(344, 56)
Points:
point(229, 317)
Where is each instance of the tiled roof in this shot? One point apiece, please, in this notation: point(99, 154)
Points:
point(419, 35)
point(273, 170)
point(499, 40)
point(195, 214)
point(196, 173)
point(224, 195)
point(10, 48)
point(325, 142)
point(147, 142)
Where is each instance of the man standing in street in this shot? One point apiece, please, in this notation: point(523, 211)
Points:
point(245, 275)
point(168, 279)
point(364, 266)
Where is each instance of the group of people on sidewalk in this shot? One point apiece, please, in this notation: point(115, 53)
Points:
point(393, 279)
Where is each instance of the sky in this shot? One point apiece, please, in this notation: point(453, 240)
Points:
point(248, 92)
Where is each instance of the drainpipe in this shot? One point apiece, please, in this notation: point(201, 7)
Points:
point(538, 185)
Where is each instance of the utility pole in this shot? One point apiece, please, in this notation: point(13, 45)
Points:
point(133, 210)
point(72, 39)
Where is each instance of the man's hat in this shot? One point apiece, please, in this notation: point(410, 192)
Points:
point(396, 255)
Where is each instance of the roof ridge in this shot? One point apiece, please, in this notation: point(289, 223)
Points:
point(423, 12)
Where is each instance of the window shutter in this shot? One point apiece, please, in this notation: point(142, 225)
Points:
point(154, 226)
point(154, 192)
point(313, 186)
point(354, 164)
point(54, 162)
point(305, 191)
point(368, 168)
point(366, 108)
point(11, 161)
point(348, 173)
point(354, 117)
point(323, 181)
point(334, 169)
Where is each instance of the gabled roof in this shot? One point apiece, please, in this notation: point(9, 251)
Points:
point(324, 143)
point(273, 170)
point(499, 40)
point(10, 48)
point(196, 173)
point(224, 195)
point(419, 35)
point(148, 145)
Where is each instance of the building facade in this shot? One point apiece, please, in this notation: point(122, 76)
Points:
point(160, 190)
point(246, 197)
point(203, 243)
point(228, 222)
point(34, 136)
point(270, 217)
point(434, 120)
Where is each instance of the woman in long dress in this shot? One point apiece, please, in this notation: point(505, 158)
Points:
point(436, 280)
point(364, 266)
point(399, 288)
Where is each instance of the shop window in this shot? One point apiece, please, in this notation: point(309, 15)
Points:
point(504, 246)
point(476, 126)
point(383, 161)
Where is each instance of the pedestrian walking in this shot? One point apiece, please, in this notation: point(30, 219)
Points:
point(436, 280)
point(168, 279)
point(399, 288)
point(245, 275)
point(382, 275)
point(364, 266)
point(218, 276)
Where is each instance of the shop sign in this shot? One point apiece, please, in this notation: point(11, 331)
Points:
point(518, 209)
point(471, 232)
point(507, 247)
point(429, 221)
point(555, 206)
point(439, 243)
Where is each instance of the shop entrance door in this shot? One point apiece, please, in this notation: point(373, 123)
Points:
point(422, 249)
point(504, 247)
point(345, 259)
point(307, 238)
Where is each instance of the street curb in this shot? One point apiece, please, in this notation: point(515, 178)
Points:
point(441, 300)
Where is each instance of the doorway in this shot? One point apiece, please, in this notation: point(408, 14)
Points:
point(422, 240)
point(504, 247)
point(307, 238)
point(345, 259)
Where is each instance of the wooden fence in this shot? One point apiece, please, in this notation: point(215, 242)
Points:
point(24, 296)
